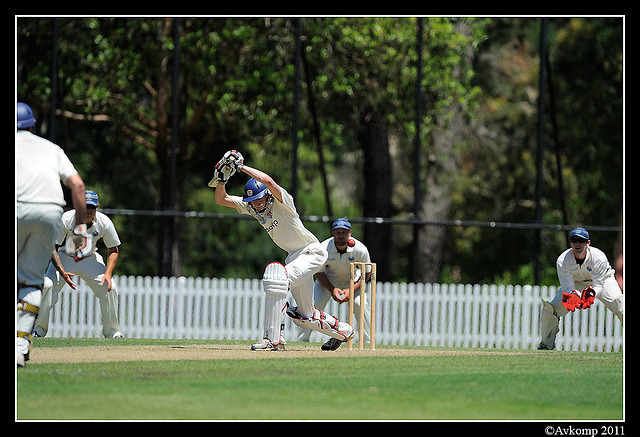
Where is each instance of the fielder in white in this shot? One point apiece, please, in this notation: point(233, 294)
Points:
point(332, 282)
point(40, 168)
point(585, 274)
point(273, 207)
point(91, 269)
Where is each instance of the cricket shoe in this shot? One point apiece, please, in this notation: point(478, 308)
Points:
point(267, 345)
point(543, 347)
point(20, 361)
point(333, 343)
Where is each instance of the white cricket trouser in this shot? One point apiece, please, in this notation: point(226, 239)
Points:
point(610, 295)
point(322, 297)
point(301, 266)
point(37, 227)
point(91, 271)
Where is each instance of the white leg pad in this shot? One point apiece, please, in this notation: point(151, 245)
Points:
point(28, 305)
point(49, 299)
point(550, 324)
point(322, 322)
point(275, 284)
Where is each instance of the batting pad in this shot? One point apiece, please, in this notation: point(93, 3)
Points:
point(322, 322)
point(275, 284)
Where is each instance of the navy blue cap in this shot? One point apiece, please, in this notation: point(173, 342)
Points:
point(341, 223)
point(579, 232)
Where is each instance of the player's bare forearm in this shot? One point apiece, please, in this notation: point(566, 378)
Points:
point(222, 198)
point(57, 264)
point(55, 260)
point(112, 259)
point(78, 198)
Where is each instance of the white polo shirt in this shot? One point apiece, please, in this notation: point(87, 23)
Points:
point(338, 265)
point(593, 271)
point(40, 167)
point(102, 227)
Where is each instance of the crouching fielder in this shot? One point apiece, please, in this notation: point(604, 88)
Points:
point(273, 207)
point(585, 274)
point(91, 269)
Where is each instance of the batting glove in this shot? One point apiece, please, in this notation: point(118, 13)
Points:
point(234, 158)
point(79, 244)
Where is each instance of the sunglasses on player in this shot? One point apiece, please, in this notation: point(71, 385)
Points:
point(577, 240)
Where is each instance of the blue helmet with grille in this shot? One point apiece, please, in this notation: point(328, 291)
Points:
point(254, 190)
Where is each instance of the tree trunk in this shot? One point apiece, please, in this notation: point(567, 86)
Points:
point(377, 200)
point(169, 257)
point(436, 202)
point(441, 172)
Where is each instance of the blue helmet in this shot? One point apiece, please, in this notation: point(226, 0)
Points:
point(254, 190)
point(25, 116)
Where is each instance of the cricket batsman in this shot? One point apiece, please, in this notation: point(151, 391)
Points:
point(273, 207)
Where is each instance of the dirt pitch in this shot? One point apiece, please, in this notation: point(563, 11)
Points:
point(94, 354)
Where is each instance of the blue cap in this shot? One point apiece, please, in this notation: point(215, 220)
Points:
point(341, 223)
point(25, 116)
point(92, 197)
point(579, 232)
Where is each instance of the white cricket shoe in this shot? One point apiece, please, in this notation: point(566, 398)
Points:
point(117, 335)
point(267, 345)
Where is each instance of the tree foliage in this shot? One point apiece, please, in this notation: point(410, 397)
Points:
point(113, 110)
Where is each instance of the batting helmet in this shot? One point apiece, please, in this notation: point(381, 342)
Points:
point(25, 116)
point(254, 190)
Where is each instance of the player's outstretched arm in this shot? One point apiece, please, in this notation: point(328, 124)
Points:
point(222, 198)
point(76, 185)
point(261, 176)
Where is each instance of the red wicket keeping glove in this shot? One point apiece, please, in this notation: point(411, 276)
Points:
point(571, 301)
point(588, 297)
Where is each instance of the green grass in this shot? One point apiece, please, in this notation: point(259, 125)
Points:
point(530, 385)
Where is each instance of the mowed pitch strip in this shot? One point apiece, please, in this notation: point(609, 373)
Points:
point(108, 353)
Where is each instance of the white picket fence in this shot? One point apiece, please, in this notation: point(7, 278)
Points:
point(438, 315)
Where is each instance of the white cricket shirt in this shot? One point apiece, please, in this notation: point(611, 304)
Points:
point(283, 223)
point(102, 227)
point(338, 265)
point(593, 271)
point(40, 167)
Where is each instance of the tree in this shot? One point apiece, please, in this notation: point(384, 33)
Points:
point(113, 115)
